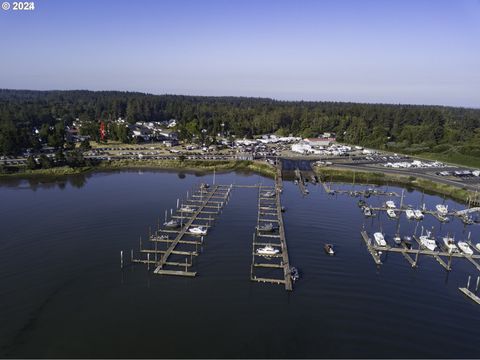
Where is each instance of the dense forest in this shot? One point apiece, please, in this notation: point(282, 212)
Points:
point(407, 128)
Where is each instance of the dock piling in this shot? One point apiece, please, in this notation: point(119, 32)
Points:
point(148, 261)
point(478, 283)
point(468, 282)
point(121, 259)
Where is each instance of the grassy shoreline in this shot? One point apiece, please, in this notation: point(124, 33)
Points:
point(187, 165)
point(327, 174)
point(380, 178)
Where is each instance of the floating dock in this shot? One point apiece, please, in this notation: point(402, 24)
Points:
point(270, 232)
point(445, 262)
point(199, 210)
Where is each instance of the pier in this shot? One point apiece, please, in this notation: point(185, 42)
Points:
point(270, 232)
point(445, 262)
point(173, 247)
point(198, 211)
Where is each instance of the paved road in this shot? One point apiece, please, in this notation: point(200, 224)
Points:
point(412, 172)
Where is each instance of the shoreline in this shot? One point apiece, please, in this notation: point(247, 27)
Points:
point(330, 173)
point(202, 166)
point(410, 182)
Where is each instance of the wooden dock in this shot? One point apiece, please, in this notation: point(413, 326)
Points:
point(371, 249)
point(407, 253)
point(204, 203)
point(269, 198)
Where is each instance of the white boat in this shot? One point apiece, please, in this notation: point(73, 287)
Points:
point(198, 230)
point(428, 242)
point(478, 246)
point(367, 211)
point(269, 194)
point(450, 244)
point(390, 204)
point(442, 209)
point(418, 214)
point(397, 239)
point(187, 209)
point(379, 239)
point(410, 214)
point(391, 213)
point(268, 250)
point(465, 248)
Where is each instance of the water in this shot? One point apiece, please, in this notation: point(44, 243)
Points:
point(63, 294)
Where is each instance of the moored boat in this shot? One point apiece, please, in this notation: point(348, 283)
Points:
point(442, 209)
point(367, 211)
point(187, 209)
point(418, 214)
point(407, 241)
point(294, 273)
point(198, 230)
point(462, 245)
point(269, 194)
point(478, 246)
point(379, 239)
point(449, 244)
point(390, 204)
point(428, 242)
point(266, 228)
point(172, 224)
point(391, 213)
point(397, 239)
point(268, 250)
point(410, 214)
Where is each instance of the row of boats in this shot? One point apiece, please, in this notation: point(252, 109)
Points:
point(413, 214)
point(429, 242)
point(195, 230)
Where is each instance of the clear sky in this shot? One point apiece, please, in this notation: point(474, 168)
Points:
point(393, 51)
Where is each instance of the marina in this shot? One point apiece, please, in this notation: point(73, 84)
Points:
point(193, 223)
point(330, 288)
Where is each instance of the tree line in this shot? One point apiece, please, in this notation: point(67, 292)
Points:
point(408, 128)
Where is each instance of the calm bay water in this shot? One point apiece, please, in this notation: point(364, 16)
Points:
point(63, 294)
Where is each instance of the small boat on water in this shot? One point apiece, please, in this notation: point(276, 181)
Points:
point(428, 242)
point(390, 204)
point(172, 224)
point(361, 203)
point(268, 250)
point(418, 214)
point(294, 274)
point(198, 230)
point(266, 228)
point(410, 214)
point(187, 209)
point(465, 248)
point(204, 186)
point(449, 244)
point(407, 241)
point(163, 237)
point(392, 214)
point(329, 249)
point(442, 209)
point(477, 246)
point(283, 209)
point(379, 239)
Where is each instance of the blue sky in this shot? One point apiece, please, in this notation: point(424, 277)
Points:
point(392, 51)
